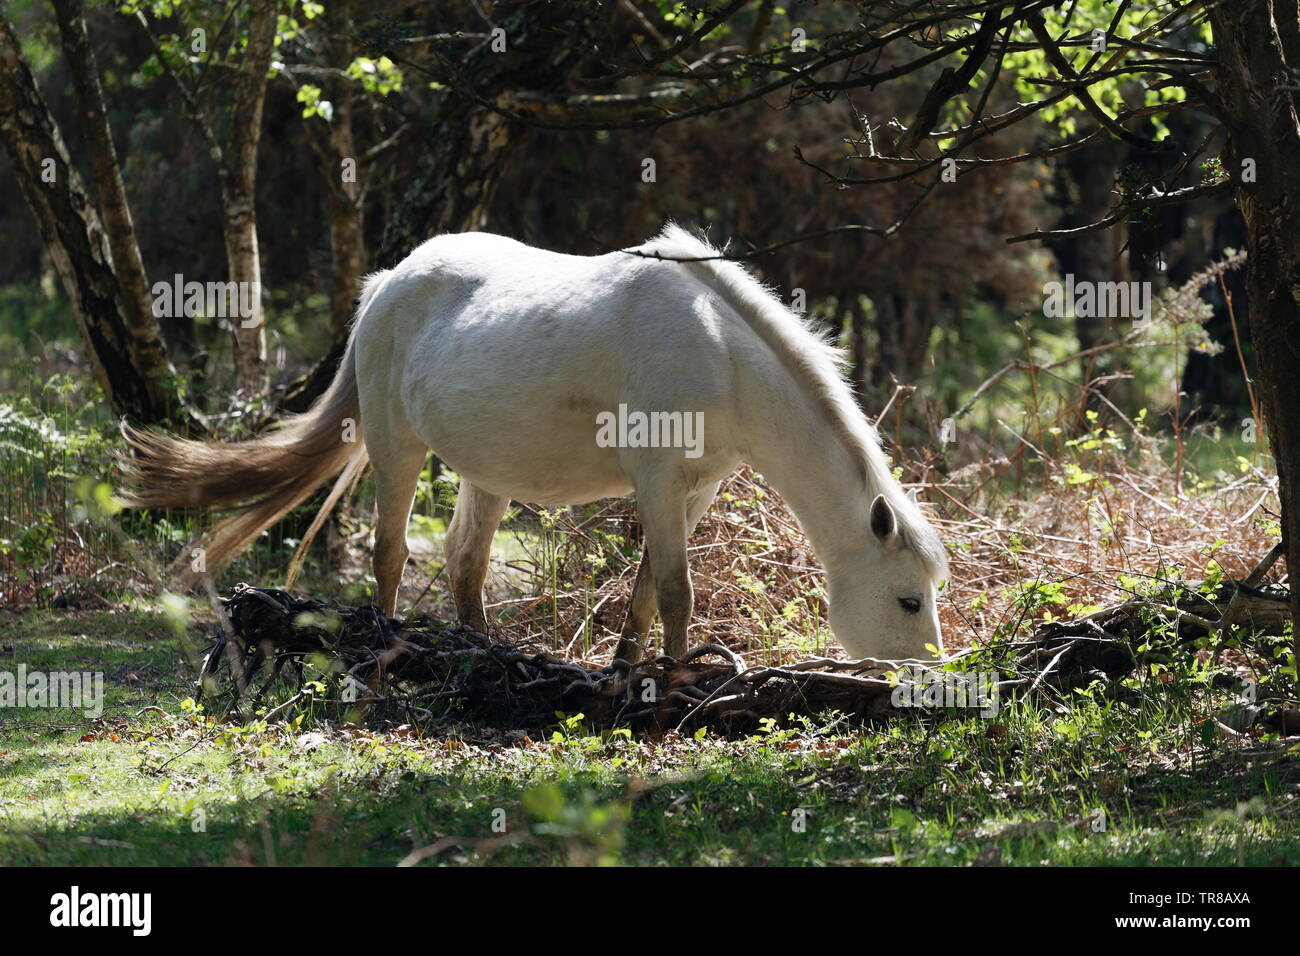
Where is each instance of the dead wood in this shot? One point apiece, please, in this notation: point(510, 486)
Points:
point(423, 670)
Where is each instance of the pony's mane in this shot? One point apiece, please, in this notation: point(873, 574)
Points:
point(815, 361)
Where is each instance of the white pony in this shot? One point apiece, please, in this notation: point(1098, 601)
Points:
point(506, 360)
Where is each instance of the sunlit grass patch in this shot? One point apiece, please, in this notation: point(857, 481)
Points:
point(153, 781)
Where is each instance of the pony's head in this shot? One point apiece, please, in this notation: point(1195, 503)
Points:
point(883, 591)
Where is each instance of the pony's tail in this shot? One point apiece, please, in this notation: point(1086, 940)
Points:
point(263, 479)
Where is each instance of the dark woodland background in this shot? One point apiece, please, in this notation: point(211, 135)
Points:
point(932, 307)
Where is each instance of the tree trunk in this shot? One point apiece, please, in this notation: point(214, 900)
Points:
point(123, 344)
point(903, 333)
point(464, 151)
point(857, 346)
point(343, 199)
point(448, 192)
point(461, 154)
point(1258, 48)
point(1087, 178)
point(239, 193)
point(137, 303)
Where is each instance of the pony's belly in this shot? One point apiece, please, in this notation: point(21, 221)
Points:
point(562, 430)
point(546, 467)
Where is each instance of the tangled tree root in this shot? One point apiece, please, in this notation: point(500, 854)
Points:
point(425, 670)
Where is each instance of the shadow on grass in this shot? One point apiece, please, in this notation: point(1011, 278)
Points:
point(144, 790)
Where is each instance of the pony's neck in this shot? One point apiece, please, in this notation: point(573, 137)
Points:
point(810, 463)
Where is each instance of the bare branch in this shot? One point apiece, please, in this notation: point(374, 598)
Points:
point(1160, 199)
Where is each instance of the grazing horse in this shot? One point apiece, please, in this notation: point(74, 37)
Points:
point(511, 362)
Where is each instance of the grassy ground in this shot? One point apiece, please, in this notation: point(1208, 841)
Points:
point(151, 782)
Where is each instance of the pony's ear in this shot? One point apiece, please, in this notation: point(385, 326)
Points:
point(884, 523)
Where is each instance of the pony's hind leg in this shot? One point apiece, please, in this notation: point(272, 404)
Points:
point(469, 546)
point(397, 468)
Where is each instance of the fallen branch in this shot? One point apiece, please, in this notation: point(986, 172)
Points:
point(394, 671)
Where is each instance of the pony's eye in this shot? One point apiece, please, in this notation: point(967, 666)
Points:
point(910, 605)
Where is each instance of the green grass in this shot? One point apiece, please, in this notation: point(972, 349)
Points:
point(148, 787)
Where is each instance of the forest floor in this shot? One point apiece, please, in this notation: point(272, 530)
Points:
point(152, 781)
point(1147, 776)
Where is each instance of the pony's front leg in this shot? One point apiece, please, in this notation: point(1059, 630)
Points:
point(667, 519)
point(640, 614)
point(645, 604)
point(469, 546)
point(661, 505)
point(672, 579)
